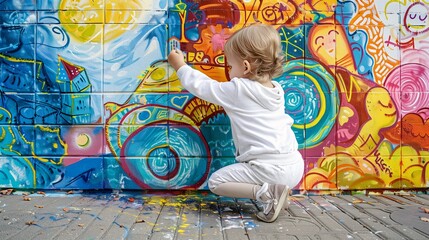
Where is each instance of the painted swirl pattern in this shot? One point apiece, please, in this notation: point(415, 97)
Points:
point(311, 99)
point(408, 84)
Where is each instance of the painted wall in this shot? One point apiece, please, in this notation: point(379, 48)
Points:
point(89, 102)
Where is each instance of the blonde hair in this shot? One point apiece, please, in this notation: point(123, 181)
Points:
point(259, 44)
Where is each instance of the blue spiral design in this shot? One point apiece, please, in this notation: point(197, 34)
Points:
point(311, 99)
point(169, 156)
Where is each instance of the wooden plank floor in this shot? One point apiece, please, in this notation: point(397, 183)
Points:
point(201, 215)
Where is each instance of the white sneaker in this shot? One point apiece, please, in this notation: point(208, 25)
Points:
point(277, 195)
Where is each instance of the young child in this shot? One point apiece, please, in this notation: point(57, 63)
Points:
point(268, 162)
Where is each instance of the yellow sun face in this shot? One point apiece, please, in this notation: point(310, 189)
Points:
point(91, 21)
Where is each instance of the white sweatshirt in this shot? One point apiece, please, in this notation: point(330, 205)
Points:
point(261, 129)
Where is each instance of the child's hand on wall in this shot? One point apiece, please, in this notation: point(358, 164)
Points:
point(176, 59)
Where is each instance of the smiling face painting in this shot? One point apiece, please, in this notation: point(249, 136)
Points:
point(325, 38)
point(416, 18)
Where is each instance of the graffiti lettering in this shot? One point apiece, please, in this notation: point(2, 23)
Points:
point(382, 164)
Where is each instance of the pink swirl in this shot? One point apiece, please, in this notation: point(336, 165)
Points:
point(408, 85)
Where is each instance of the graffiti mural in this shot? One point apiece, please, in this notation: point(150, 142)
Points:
point(88, 100)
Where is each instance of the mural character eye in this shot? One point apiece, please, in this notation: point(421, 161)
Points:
point(413, 16)
point(333, 31)
point(423, 18)
point(317, 42)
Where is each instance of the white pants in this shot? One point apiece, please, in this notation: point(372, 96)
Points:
point(257, 172)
